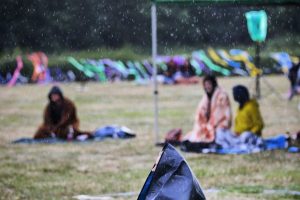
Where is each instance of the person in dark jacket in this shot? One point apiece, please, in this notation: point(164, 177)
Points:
point(294, 77)
point(60, 118)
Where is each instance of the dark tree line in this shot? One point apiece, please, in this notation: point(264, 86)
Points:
point(55, 25)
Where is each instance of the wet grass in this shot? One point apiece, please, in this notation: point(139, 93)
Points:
point(60, 171)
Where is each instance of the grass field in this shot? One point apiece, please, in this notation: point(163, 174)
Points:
point(62, 171)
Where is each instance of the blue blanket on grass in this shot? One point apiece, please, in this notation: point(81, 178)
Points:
point(275, 143)
point(111, 131)
point(250, 144)
point(272, 143)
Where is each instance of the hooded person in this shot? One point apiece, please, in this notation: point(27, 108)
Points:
point(248, 117)
point(60, 118)
point(213, 113)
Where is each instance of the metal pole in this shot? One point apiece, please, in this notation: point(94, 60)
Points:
point(154, 55)
point(257, 78)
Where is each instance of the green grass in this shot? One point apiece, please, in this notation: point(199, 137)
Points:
point(62, 171)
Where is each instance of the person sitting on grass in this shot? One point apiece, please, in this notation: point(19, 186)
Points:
point(213, 113)
point(248, 123)
point(60, 118)
point(186, 74)
point(169, 74)
point(248, 116)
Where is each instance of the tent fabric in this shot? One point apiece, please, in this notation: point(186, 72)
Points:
point(171, 178)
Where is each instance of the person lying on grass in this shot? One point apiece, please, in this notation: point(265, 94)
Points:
point(60, 118)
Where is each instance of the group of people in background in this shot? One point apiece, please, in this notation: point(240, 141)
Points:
point(213, 121)
point(212, 124)
point(39, 61)
point(213, 118)
point(179, 74)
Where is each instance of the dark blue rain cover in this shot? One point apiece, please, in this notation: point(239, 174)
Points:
point(171, 179)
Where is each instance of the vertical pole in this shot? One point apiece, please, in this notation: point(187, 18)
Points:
point(257, 78)
point(154, 55)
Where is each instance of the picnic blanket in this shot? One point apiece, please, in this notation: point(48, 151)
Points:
point(110, 131)
point(247, 144)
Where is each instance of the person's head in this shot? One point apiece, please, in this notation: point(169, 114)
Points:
point(240, 94)
point(55, 95)
point(172, 63)
point(171, 67)
point(209, 84)
point(186, 65)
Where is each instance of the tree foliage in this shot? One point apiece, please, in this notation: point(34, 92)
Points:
point(75, 24)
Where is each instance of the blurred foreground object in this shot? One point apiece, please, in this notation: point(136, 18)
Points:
point(171, 178)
